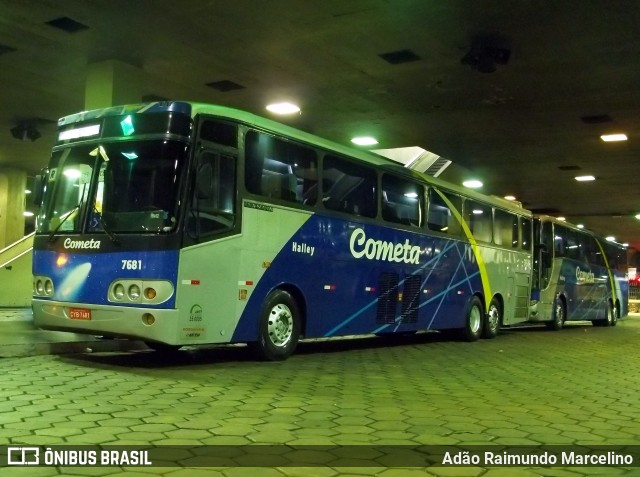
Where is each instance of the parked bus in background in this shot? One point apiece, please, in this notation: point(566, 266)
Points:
point(577, 276)
point(181, 223)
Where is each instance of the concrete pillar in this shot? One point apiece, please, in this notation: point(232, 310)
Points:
point(12, 206)
point(111, 83)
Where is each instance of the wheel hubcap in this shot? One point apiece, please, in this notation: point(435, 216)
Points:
point(475, 319)
point(493, 318)
point(280, 325)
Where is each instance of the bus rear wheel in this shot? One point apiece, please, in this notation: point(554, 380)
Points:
point(279, 327)
point(610, 318)
point(493, 322)
point(474, 320)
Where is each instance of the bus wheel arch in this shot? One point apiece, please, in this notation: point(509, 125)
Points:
point(474, 319)
point(494, 318)
point(280, 325)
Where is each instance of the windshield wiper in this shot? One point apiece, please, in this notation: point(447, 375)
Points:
point(68, 214)
point(110, 234)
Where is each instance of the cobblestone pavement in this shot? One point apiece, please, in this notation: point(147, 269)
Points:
point(578, 386)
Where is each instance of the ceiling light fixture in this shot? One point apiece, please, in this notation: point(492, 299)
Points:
point(585, 178)
point(283, 108)
point(473, 184)
point(510, 197)
point(610, 238)
point(561, 219)
point(613, 137)
point(364, 141)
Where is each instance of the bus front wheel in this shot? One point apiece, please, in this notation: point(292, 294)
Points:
point(474, 320)
point(559, 315)
point(279, 327)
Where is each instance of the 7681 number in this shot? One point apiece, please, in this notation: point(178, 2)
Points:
point(131, 264)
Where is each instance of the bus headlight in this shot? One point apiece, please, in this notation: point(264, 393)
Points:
point(118, 291)
point(42, 286)
point(134, 292)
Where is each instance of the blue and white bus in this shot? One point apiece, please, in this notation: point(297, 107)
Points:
point(182, 223)
point(577, 276)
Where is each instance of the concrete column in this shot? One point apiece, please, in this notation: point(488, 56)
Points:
point(12, 197)
point(111, 83)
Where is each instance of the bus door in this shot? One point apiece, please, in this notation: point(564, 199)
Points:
point(542, 267)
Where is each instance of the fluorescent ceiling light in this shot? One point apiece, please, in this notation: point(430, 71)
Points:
point(613, 137)
point(585, 178)
point(562, 219)
point(472, 184)
point(28, 213)
point(510, 197)
point(283, 108)
point(580, 226)
point(638, 216)
point(364, 141)
point(610, 238)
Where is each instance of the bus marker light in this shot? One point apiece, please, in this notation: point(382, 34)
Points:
point(191, 282)
point(369, 289)
point(330, 287)
point(149, 293)
point(245, 283)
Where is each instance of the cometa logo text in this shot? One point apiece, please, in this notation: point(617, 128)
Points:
point(82, 244)
point(363, 247)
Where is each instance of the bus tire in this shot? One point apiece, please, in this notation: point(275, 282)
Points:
point(474, 320)
point(615, 315)
point(279, 327)
point(162, 347)
point(610, 318)
point(493, 322)
point(559, 315)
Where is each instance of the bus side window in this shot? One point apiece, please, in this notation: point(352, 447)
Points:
point(280, 170)
point(349, 187)
point(505, 229)
point(402, 201)
point(440, 217)
point(479, 220)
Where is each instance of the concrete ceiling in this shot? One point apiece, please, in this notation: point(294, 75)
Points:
point(529, 127)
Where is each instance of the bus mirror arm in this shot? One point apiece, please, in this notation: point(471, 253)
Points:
point(38, 188)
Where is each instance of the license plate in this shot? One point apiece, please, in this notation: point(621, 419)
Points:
point(79, 314)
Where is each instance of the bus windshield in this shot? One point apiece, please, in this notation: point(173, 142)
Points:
point(129, 186)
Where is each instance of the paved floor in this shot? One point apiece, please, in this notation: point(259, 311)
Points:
point(579, 386)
